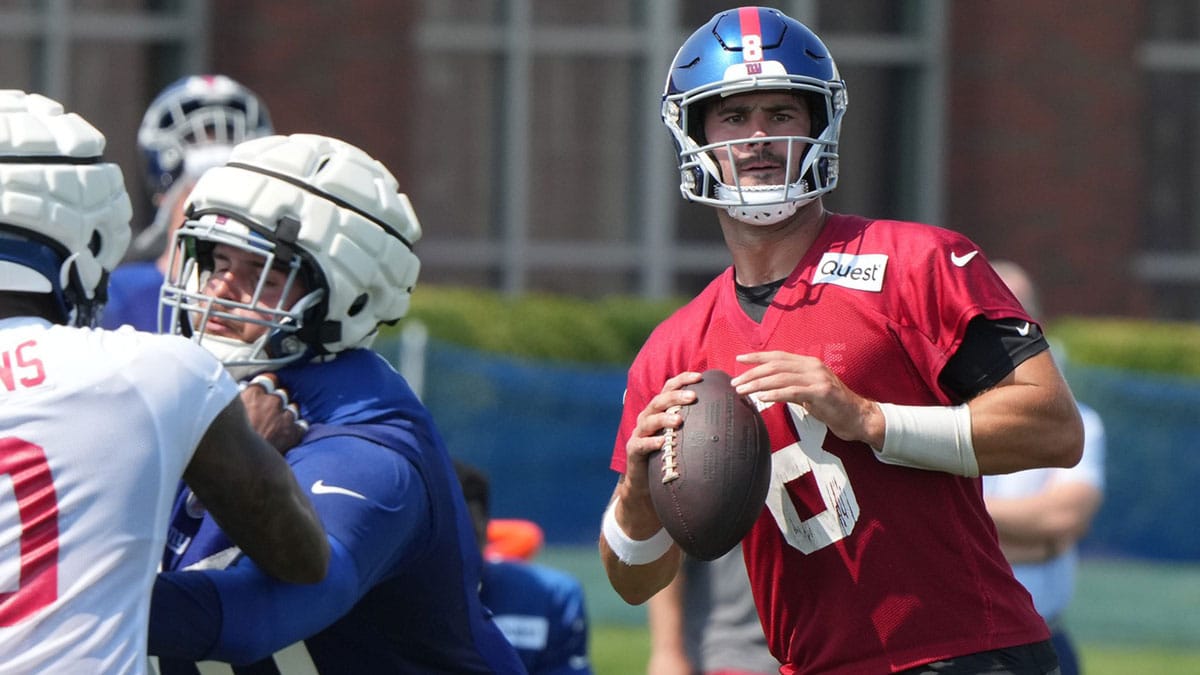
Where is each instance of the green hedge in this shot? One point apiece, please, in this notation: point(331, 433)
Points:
point(610, 331)
point(1162, 347)
point(539, 326)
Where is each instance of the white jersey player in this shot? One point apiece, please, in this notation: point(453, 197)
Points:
point(98, 427)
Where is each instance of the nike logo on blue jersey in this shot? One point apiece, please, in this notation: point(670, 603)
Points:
point(320, 488)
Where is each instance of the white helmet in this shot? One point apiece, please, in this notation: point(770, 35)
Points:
point(64, 213)
point(318, 207)
point(196, 120)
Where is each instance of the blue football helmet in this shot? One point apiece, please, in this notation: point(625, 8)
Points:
point(197, 120)
point(744, 50)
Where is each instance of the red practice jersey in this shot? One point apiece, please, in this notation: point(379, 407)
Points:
point(858, 566)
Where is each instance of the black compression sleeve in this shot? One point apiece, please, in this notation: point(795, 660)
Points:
point(990, 350)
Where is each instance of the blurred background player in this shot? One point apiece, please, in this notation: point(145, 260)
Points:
point(705, 623)
point(1041, 514)
point(292, 255)
point(892, 367)
point(541, 610)
point(190, 127)
point(97, 427)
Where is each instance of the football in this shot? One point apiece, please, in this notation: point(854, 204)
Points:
point(710, 480)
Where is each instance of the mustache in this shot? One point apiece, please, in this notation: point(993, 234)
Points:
point(762, 156)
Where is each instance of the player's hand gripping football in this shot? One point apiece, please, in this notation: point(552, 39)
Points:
point(806, 381)
point(647, 437)
point(272, 413)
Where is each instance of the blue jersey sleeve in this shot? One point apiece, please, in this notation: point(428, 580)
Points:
point(239, 614)
point(359, 489)
point(262, 616)
point(190, 601)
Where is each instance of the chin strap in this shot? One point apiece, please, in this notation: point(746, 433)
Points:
point(763, 215)
point(763, 205)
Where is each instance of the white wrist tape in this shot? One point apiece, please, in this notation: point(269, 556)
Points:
point(929, 437)
point(631, 551)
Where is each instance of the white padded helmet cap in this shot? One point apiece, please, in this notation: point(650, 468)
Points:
point(53, 185)
point(354, 224)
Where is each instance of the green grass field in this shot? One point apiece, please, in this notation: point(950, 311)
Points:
point(1129, 617)
point(622, 650)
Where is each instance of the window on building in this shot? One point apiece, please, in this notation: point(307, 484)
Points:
point(67, 50)
point(1170, 258)
point(541, 146)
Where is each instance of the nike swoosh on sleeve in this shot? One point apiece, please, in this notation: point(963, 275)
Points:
point(960, 260)
point(320, 488)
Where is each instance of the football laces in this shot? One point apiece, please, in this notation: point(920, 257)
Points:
point(669, 466)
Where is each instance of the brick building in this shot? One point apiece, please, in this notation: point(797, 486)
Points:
point(1062, 135)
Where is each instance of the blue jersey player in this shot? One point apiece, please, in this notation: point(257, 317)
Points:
point(291, 255)
point(540, 609)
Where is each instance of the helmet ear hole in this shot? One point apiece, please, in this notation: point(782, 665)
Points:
point(96, 243)
point(816, 113)
point(695, 122)
point(358, 304)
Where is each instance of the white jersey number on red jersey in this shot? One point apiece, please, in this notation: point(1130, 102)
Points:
point(836, 520)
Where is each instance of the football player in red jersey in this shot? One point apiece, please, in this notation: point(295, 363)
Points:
point(892, 367)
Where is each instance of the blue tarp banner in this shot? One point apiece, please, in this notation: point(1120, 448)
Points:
point(544, 433)
point(1152, 496)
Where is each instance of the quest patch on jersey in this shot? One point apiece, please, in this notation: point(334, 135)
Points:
point(861, 272)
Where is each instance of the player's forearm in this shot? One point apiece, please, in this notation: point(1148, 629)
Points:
point(1018, 553)
point(288, 541)
point(664, 617)
point(637, 583)
point(251, 492)
point(637, 554)
point(1062, 514)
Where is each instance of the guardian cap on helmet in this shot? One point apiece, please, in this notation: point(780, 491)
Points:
point(319, 208)
point(64, 212)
